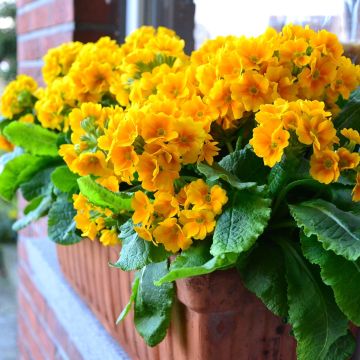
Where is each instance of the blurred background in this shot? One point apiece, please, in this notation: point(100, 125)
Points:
point(8, 275)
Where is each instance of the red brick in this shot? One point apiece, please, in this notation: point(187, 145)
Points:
point(56, 329)
point(20, 3)
point(37, 299)
point(35, 49)
point(47, 345)
point(22, 253)
point(34, 72)
point(54, 13)
point(73, 352)
point(26, 335)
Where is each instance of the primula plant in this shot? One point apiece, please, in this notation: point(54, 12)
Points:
point(243, 155)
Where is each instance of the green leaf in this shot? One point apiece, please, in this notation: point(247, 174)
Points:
point(342, 275)
point(195, 261)
point(137, 252)
point(33, 215)
point(38, 185)
point(33, 204)
point(134, 291)
point(153, 304)
point(64, 179)
point(316, 320)
point(263, 273)
point(216, 172)
point(241, 223)
point(61, 224)
point(100, 196)
point(349, 116)
point(19, 170)
point(343, 348)
point(33, 138)
point(336, 229)
point(246, 166)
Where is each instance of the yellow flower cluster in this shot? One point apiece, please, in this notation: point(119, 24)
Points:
point(311, 124)
point(238, 75)
point(175, 220)
point(95, 222)
point(17, 103)
point(18, 97)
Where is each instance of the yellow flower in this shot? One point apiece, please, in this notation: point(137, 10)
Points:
point(68, 153)
point(324, 166)
point(269, 141)
point(295, 51)
point(197, 224)
point(352, 135)
point(254, 52)
point(28, 118)
point(109, 237)
point(158, 171)
point(18, 96)
point(5, 145)
point(110, 182)
point(347, 160)
point(316, 130)
point(253, 90)
point(57, 61)
point(313, 80)
point(143, 209)
point(88, 163)
point(124, 159)
point(189, 141)
point(169, 233)
point(356, 190)
point(201, 196)
point(158, 127)
point(165, 205)
point(144, 233)
point(209, 151)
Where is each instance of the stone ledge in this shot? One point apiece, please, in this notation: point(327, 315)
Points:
point(84, 331)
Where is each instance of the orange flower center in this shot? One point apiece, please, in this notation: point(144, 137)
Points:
point(253, 90)
point(328, 163)
point(316, 74)
point(199, 220)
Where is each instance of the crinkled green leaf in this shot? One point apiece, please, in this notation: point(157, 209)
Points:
point(316, 320)
point(100, 196)
point(343, 348)
point(342, 275)
point(216, 172)
point(19, 170)
point(246, 166)
point(242, 222)
point(263, 273)
point(134, 291)
point(33, 215)
point(33, 138)
point(61, 224)
point(38, 185)
point(195, 261)
point(336, 229)
point(153, 304)
point(137, 252)
point(350, 114)
point(64, 179)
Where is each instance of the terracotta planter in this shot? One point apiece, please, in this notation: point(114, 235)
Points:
point(214, 317)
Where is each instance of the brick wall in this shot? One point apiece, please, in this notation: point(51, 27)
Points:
point(41, 335)
point(43, 24)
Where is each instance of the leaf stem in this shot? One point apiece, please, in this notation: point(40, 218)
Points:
point(229, 146)
point(284, 224)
